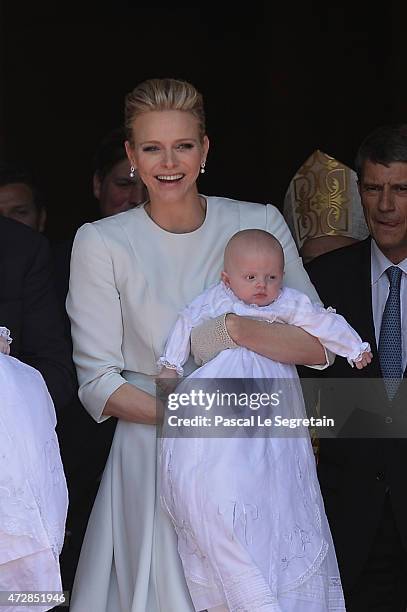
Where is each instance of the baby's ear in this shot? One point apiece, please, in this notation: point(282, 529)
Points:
point(224, 276)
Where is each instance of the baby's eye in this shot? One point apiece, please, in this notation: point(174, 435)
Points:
point(250, 277)
point(272, 277)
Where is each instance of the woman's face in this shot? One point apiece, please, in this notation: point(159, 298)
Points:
point(167, 152)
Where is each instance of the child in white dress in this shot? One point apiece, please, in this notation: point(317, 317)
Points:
point(252, 530)
point(33, 491)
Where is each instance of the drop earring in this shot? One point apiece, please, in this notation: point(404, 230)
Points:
point(132, 171)
point(202, 170)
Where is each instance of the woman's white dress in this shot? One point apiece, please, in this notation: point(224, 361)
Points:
point(129, 280)
point(247, 507)
point(33, 491)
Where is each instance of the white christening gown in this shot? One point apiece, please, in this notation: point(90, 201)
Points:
point(33, 491)
point(247, 508)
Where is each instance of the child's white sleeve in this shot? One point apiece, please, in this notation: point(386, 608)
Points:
point(331, 329)
point(177, 347)
point(209, 304)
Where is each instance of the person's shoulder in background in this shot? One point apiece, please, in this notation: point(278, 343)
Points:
point(338, 263)
point(29, 308)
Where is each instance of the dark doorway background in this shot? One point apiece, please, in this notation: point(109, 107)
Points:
point(279, 81)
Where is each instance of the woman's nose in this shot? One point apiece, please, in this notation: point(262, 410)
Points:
point(170, 159)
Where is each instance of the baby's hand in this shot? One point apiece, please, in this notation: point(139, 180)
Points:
point(166, 380)
point(168, 373)
point(366, 359)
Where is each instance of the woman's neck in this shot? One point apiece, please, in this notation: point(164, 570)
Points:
point(179, 217)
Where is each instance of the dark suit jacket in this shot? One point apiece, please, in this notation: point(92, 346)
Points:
point(28, 307)
point(356, 470)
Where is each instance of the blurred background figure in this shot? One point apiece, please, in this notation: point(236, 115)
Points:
point(112, 184)
point(20, 197)
point(322, 206)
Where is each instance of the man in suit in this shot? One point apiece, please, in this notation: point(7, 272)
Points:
point(29, 308)
point(20, 198)
point(363, 472)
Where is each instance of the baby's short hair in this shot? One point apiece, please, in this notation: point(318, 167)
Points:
point(249, 238)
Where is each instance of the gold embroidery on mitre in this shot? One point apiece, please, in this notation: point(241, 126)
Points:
point(322, 197)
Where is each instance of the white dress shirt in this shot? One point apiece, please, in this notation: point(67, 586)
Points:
point(380, 292)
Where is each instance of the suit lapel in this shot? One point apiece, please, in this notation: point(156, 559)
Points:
point(361, 294)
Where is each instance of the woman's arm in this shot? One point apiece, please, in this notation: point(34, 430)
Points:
point(277, 341)
point(94, 307)
point(132, 404)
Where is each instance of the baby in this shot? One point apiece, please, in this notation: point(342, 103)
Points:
point(33, 491)
point(5, 340)
point(251, 525)
point(252, 279)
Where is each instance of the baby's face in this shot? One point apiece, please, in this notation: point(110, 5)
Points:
point(255, 277)
point(4, 346)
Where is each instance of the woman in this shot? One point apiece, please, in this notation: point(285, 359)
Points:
point(130, 276)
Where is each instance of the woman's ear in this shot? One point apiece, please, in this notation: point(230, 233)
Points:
point(205, 146)
point(129, 153)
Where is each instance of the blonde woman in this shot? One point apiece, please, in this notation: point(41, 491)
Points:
point(131, 274)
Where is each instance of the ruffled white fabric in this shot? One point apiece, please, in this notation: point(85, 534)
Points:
point(248, 512)
point(163, 363)
point(33, 491)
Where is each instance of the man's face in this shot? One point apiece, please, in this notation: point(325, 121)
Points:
point(17, 202)
point(383, 190)
point(117, 192)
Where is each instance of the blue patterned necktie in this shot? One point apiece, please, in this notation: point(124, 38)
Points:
point(390, 335)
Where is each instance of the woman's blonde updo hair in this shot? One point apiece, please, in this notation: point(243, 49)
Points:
point(163, 95)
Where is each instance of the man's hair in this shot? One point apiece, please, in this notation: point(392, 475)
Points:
point(385, 145)
point(110, 151)
point(11, 173)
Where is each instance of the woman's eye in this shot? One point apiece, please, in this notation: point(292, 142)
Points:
point(150, 148)
point(185, 145)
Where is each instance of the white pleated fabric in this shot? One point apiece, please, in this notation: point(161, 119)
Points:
point(33, 491)
point(247, 509)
